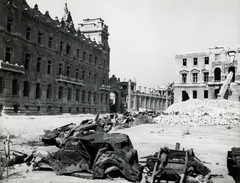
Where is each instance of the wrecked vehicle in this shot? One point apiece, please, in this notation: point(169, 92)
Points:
point(101, 154)
point(177, 166)
point(233, 163)
point(59, 135)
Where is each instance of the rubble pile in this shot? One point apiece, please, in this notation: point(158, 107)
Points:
point(202, 113)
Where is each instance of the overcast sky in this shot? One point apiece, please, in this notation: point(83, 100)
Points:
point(145, 35)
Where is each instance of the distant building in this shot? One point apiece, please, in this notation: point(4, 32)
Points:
point(208, 75)
point(48, 67)
point(126, 97)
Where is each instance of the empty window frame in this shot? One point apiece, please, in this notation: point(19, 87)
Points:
point(205, 93)
point(90, 77)
point(194, 94)
point(68, 49)
point(83, 96)
point(83, 75)
point(39, 60)
point(77, 95)
point(38, 94)
point(90, 58)
point(195, 61)
point(69, 96)
point(194, 77)
point(77, 73)
point(27, 60)
point(96, 60)
point(205, 76)
point(49, 67)
point(49, 91)
point(60, 92)
point(50, 42)
point(60, 67)
point(61, 46)
point(40, 38)
point(68, 71)
point(95, 97)
point(78, 53)
point(25, 88)
point(206, 60)
point(8, 54)
point(184, 78)
point(184, 62)
point(89, 96)
point(1, 84)
point(84, 56)
point(9, 24)
point(95, 79)
point(15, 87)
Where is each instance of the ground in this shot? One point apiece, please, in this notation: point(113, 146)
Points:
point(210, 144)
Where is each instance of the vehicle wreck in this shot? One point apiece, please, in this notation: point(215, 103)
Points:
point(175, 165)
point(101, 154)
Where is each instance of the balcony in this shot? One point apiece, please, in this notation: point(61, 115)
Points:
point(69, 80)
point(105, 87)
point(11, 67)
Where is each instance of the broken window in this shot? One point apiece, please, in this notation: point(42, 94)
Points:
point(28, 33)
point(9, 24)
point(39, 59)
point(60, 92)
point(184, 96)
point(184, 78)
point(25, 88)
point(206, 74)
point(50, 42)
point(217, 74)
point(61, 46)
point(195, 77)
point(68, 71)
point(205, 93)
point(184, 62)
point(40, 38)
point(194, 94)
point(15, 87)
point(49, 89)
point(27, 60)
point(83, 96)
point(195, 61)
point(49, 67)
point(206, 60)
point(8, 54)
point(1, 84)
point(38, 91)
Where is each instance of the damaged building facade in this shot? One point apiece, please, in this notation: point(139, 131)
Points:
point(49, 67)
point(212, 74)
point(125, 97)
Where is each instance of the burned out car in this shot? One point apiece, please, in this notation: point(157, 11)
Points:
point(101, 154)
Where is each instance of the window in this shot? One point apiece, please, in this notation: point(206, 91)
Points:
point(90, 58)
point(1, 85)
point(9, 24)
point(89, 97)
point(15, 87)
point(90, 77)
point(8, 55)
point(68, 49)
point(103, 80)
point(95, 97)
point(206, 60)
point(69, 94)
point(84, 56)
point(38, 91)
point(68, 71)
point(205, 93)
point(77, 73)
point(184, 78)
point(28, 33)
point(184, 62)
point(60, 68)
point(78, 53)
point(60, 92)
point(49, 67)
point(104, 63)
point(106, 99)
point(205, 76)
point(95, 79)
point(50, 42)
point(101, 97)
point(27, 60)
point(194, 94)
point(195, 77)
point(61, 46)
point(195, 61)
point(49, 91)
point(25, 88)
point(39, 59)
point(96, 60)
point(83, 96)
point(40, 37)
point(77, 95)
point(83, 75)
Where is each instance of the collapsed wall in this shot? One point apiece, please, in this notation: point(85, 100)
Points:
point(202, 113)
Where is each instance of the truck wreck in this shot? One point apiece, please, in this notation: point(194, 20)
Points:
point(177, 166)
point(101, 154)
